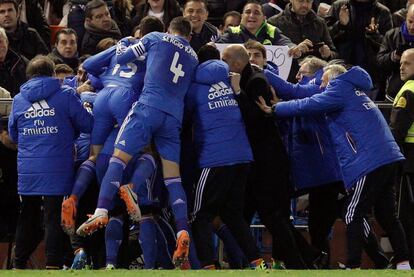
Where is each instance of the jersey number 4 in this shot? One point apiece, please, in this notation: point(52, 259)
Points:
point(176, 68)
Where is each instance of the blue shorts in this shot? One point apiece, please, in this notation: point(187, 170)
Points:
point(144, 123)
point(110, 108)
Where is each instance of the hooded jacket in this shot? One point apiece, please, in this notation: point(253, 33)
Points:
point(362, 139)
point(309, 144)
point(44, 122)
point(219, 132)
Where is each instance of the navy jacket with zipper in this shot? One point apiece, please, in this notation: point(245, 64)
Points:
point(362, 139)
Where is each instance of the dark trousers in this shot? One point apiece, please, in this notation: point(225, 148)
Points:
point(406, 210)
point(324, 209)
point(375, 190)
point(29, 230)
point(220, 192)
point(268, 193)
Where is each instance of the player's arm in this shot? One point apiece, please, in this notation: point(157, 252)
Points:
point(97, 64)
point(81, 119)
point(131, 53)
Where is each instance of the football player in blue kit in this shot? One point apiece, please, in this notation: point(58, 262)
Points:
point(157, 115)
point(122, 86)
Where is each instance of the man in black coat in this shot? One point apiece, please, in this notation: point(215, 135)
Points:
point(268, 189)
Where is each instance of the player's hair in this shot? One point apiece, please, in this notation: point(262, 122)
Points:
point(150, 24)
point(66, 31)
point(40, 66)
point(180, 25)
point(63, 68)
point(254, 44)
point(208, 52)
point(105, 43)
point(92, 5)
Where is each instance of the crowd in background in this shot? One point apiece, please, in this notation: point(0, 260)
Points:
point(370, 34)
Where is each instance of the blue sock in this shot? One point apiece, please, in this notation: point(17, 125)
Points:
point(110, 183)
point(178, 202)
point(148, 241)
point(113, 239)
point(163, 255)
point(233, 251)
point(85, 175)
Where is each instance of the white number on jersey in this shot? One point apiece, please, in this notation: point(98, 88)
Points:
point(176, 68)
point(125, 74)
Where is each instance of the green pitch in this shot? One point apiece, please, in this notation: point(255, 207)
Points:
point(204, 273)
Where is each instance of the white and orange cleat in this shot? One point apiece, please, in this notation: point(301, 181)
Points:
point(131, 202)
point(180, 257)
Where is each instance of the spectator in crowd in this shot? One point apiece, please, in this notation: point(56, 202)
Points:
point(202, 32)
point(66, 48)
point(230, 19)
point(268, 190)
point(12, 66)
point(32, 13)
point(301, 24)
point(253, 25)
point(399, 16)
point(121, 14)
point(98, 25)
point(165, 10)
point(402, 127)
point(43, 123)
point(24, 40)
point(395, 42)
point(368, 166)
point(357, 28)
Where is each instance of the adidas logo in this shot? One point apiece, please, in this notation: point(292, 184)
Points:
point(219, 90)
point(39, 109)
point(122, 142)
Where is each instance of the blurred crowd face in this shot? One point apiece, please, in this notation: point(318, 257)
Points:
point(252, 17)
point(8, 17)
point(407, 65)
point(410, 20)
point(301, 7)
point(101, 18)
point(67, 45)
point(256, 57)
point(197, 13)
point(4, 47)
point(231, 21)
point(156, 5)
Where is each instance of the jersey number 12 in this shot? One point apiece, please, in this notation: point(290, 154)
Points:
point(176, 68)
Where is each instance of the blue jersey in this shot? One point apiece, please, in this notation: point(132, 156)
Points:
point(219, 133)
point(171, 63)
point(111, 73)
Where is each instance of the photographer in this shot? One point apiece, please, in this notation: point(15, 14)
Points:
point(395, 42)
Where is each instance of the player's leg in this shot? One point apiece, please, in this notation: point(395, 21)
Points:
point(113, 239)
